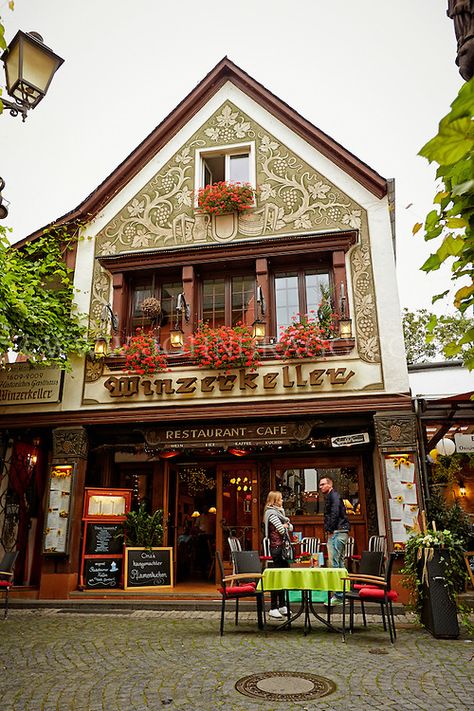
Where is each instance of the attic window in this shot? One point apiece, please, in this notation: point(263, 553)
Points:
point(230, 163)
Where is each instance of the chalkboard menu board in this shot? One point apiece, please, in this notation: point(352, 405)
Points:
point(102, 572)
point(103, 538)
point(149, 569)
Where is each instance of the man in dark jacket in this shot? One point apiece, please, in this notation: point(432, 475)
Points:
point(336, 525)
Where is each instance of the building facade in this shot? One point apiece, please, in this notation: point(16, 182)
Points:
point(204, 444)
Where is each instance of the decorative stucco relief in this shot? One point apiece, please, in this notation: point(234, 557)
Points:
point(293, 198)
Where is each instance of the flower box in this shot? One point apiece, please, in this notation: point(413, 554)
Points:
point(224, 197)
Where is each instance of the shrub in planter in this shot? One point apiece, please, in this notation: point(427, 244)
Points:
point(224, 348)
point(222, 198)
point(143, 530)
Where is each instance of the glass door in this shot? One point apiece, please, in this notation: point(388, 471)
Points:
point(237, 507)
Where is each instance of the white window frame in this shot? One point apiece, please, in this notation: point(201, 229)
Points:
point(228, 150)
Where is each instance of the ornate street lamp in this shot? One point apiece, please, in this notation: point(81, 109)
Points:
point(29, 68)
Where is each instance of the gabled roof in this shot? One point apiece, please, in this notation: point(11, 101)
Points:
point(224, 71)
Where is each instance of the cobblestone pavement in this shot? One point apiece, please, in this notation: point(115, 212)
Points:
point(126, 660)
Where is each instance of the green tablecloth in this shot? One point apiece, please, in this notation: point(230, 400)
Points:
point(318, 579)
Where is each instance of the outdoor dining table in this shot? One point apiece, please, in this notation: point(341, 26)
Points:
point(306, 580)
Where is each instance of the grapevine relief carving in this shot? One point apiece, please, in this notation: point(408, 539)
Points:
point(292, 198)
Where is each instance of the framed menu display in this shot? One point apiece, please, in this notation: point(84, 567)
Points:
point(102, 544)
point(57, 519)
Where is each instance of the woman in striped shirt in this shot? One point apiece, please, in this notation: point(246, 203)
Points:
point(277, 525)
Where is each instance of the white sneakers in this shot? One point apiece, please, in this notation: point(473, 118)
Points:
point(283, 610)
point(334, 601)
point(276, 614)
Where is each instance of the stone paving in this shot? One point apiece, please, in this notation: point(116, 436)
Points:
point(123, 660)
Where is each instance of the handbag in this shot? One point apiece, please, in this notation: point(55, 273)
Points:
point(286, 548)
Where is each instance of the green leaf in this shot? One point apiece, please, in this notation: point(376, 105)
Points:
point(463, 188)
point(431, 220)
point(432, 263)
point(455, 222)
point(453, 141)
point(439, 197)
point(439, 296)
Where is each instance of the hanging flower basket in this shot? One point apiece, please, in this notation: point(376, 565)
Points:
point(142, 355)
point(224, 348)
point(303, 339)
point(222, 198)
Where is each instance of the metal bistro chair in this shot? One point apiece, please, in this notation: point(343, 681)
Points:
point(266, 558)
point(238, 586)
point(234, 544)
point(310, 545)
point(371, 563)
point(6, 575)
point(374, 588)
point(378, 543)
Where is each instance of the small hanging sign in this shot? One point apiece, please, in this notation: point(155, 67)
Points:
point(350, 440)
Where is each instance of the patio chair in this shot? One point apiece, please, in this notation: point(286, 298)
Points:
point(6, 576)
point(351, 559)
point(266, 558)
point(371, 563)
point(378, 543)
point(373, 588)
point(239, 586)
point(310, 545)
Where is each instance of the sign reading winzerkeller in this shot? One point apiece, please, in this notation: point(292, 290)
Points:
point(223, 435)
point(22, 384)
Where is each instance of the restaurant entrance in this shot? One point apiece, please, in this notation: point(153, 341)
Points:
point(206, 503)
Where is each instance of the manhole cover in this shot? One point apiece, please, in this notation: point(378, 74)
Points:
point(285, 686)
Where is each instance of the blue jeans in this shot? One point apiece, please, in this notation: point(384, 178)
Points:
point(336, 547)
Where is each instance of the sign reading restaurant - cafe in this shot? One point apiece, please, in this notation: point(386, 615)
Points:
point(240, 435)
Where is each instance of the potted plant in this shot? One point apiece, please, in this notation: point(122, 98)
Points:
point(142, 355)
point(224, 348)
point(225, 197)
point(143, 530)
point(435, 573)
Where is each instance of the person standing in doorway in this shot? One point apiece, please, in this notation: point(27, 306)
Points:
point(336, 525)
point(277, 526)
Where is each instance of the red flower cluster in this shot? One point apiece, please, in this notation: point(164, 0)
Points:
point(224, 348)
point(142, 355)
point(220, 198)
point(303, 339)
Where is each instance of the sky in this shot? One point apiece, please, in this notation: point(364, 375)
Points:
point(377, 76)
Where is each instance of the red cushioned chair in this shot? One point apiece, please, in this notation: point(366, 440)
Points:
point(6, 576)
point(371, 588)
point(238, 586)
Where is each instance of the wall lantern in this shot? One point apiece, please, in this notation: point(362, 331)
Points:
point(29, 68)
point(462, 488)
point(259, 329)
point(446, 447)
point(182, 311)
point(195, 514)
point(238, 452)
point(212, 510)
point(101, 345)
point(345, 328)
point(258, 326)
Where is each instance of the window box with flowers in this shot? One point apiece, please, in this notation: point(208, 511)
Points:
point(224, 348)
point(226, 197)
point(143, 356)
point(304, 338)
